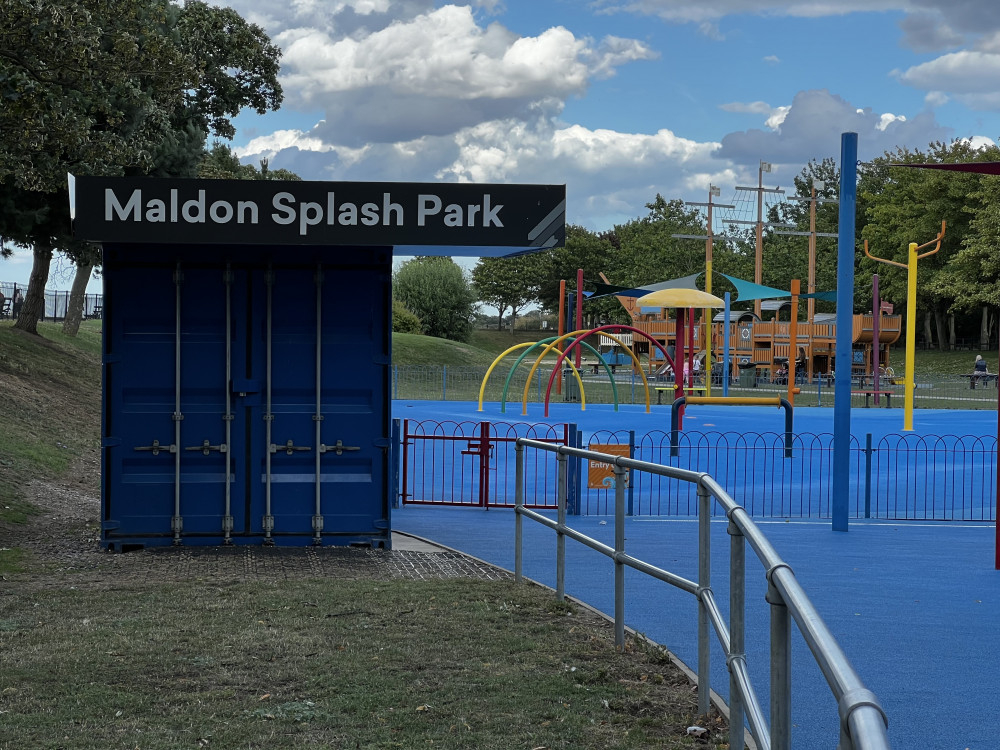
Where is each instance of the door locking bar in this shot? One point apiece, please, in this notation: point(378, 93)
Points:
point(289, 447)
point(206, 448)
point(339, 448)
point(156, 447)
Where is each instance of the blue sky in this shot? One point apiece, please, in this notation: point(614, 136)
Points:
point(617, 99)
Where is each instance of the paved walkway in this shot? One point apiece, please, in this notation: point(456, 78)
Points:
point(915, 606)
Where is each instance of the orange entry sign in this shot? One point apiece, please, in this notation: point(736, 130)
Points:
point(601, 475)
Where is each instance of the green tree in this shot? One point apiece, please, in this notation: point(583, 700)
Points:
point(220, 163)
point(403, 321)
point(437, 292)
point(904, 205)
point(112, 87)
point(583, 249)
point(508, 283)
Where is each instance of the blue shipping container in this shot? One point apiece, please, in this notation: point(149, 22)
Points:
point(246, 395)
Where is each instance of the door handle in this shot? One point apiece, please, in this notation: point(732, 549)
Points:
point(207, 448)
point(289, 447)
point(339, 448)
point(156, 448)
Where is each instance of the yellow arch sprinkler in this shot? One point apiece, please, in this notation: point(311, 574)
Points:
point(911, 315)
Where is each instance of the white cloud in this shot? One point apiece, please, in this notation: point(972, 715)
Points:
point(980, 141)
point(969, 76)
point(775, 115)
point(813, 124)
point(684, 11)
point(773, 59)
point(443, 70)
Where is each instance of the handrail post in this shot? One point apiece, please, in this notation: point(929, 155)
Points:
point(737, 630)
point(789, 428)
point(620, 479)
point(561, 520)
point(868, 475)
point(704, 583)
point(781, 670)
point(675, 423)
point(518, 507)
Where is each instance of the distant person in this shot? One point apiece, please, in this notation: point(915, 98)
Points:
point(697, 370)
point(3, 304)
point(781, 376)
point(979, 370)
point(18, 302)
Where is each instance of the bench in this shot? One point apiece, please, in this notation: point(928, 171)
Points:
point(597, 365)
point(661, 389)
point(975, 377)
point(869, 393)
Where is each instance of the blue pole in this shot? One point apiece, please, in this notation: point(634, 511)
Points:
point(725, 348)
point(845, 312)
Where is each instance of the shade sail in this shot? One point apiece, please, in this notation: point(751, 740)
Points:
point(982, 167)
point(609, 290)
point(680, 298)
point(748, 290)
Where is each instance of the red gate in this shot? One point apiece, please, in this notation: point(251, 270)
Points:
point(472, 463)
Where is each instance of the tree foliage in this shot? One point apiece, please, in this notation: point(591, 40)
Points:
point(100, 86)
point(112, 87)
point(403, 321)
point(508, 283)
point(437, 292)
point(903, 205)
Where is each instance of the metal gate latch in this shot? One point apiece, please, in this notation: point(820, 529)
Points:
point(207, 448)
point(339, 448)
point(156, 448)
point(290, 447)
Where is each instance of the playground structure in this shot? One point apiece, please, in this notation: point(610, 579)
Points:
point(763, 344)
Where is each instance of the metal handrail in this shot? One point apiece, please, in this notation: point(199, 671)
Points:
point(863, 723)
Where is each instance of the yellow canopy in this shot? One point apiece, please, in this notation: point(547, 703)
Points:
point(680, 298)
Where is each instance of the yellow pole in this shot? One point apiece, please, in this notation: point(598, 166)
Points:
point(911, 316)
point(911, 335)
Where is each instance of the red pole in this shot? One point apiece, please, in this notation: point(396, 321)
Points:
point(406, 460)
point(679, 362)
point(691, 350)
point(579, 309)
point(562, 326)
point(484, 464)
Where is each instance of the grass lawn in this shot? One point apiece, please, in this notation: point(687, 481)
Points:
point(334, 664)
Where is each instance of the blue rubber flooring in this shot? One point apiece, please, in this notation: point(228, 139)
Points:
point(914, 605)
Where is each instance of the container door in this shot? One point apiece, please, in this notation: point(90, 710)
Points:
point(322, 443)
point(167, 457)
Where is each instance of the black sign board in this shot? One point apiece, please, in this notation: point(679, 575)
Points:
point(256, 212)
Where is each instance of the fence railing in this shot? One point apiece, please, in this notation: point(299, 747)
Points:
point(56, 302)
point(897, 477)
point(454, 383)
point(863, 723)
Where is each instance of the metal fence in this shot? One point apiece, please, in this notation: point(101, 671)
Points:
point(863, 722)
point(899, 477)
point(452, 383)
point(471, 463)
point(56, 302)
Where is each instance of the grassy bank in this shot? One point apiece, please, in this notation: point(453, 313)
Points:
point(50, 392)
point(388, 664)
